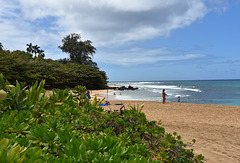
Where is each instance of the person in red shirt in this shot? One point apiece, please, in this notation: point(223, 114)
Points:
point(164, 96)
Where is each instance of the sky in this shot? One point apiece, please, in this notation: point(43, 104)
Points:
point(137, 40)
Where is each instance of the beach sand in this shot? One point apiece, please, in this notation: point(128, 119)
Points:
point(216, 128)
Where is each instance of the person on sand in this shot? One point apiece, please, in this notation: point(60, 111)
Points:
point(88, 94)
point(164, 96)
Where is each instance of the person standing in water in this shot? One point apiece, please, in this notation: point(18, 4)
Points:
point(164, 96)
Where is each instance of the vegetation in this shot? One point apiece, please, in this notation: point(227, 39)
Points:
point(36, 50)
point(21, 66)
point(80, 51)
point(1, 46)
point(70, 128)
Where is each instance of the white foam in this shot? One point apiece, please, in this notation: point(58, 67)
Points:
point(122, 97)
point(182, 95)
point(191, 89)
point(161, 86)
point(150, 82)
point(146, 88)
point(157, 91)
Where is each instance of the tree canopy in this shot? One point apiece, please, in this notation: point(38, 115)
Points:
point(80, 52)
point(21, 66)
point(79, 69)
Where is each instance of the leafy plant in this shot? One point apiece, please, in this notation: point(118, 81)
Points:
point(16, 153)
point(16, 97)
point(103, 149)
point(136, 108)
point(80, 94)
point(3, 95)
point(35, 94)
point(59, 97)
point(4, 84)
point(95, 102)
point(10, 153)
point(55, 129)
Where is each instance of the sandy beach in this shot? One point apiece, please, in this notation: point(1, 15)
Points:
point(216, 128)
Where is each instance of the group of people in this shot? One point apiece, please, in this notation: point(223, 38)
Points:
point(164, 96)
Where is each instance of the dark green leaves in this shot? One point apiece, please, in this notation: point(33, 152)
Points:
point(80, 51)
point(19, 65)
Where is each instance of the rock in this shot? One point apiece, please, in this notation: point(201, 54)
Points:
point(122, 88)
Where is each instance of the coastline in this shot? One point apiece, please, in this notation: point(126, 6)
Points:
point(216, 128)
point(216, 92)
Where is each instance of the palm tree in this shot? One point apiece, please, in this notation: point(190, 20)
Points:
point(35, 49)
point(29, 48)
point(40, 53)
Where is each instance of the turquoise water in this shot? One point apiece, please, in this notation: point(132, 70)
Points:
point(218, 92)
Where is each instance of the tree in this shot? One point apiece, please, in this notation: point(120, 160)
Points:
point(21, 66)
point(30, 48)
point(80, 51)
point(1, 46)
point(40, 53)
point(36, 50)
point(64, 60)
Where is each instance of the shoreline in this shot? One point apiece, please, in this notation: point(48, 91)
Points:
point(110, 97)
point(216, 128)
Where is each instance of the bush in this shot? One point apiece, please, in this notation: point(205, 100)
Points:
point(60, 129)
point(19, 65)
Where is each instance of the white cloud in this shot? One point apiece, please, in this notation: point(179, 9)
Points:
point(139, 56)
point(116, 21)
point(219, 6)
point(106, 23)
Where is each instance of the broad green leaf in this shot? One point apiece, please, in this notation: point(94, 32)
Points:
point(4, 143)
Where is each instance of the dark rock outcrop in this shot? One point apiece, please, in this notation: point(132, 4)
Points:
point(122, 88)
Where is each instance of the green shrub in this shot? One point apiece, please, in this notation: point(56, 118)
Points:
point(37, 128)
point(19, 65)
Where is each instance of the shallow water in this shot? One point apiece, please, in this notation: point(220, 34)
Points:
point(218, 92)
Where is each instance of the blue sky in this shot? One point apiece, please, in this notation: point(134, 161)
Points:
point(137, 40)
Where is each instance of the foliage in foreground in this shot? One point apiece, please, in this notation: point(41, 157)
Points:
point(64, 128)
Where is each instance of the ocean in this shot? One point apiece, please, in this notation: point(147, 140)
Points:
point(217, 92)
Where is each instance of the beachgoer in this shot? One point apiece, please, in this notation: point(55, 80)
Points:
point(88, 94)
point(178, 99)
point(164, 96)
point(107, 102)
